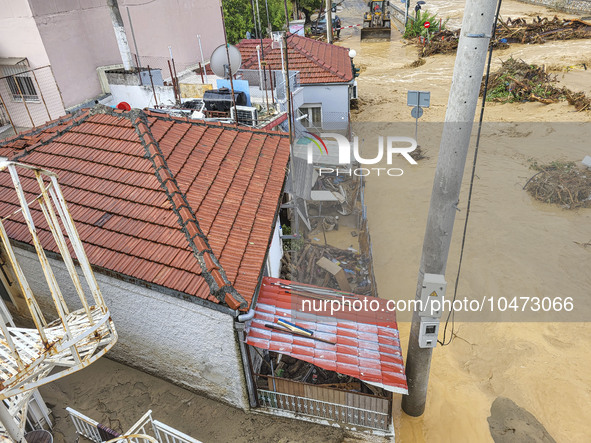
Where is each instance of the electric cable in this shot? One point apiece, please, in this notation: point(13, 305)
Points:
point(451, 313)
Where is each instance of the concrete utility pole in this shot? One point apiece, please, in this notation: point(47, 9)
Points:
point(120, 35)
point(477, 25)
point(329, 21)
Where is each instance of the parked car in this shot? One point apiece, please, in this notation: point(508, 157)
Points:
point(320, 26)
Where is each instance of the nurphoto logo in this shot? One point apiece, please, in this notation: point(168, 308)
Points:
point(390, 146)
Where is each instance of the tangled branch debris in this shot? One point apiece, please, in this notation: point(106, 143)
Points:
point(561, 183)
point(307, 270)
point(517, 81)
point(538, 31)
point(541, 30)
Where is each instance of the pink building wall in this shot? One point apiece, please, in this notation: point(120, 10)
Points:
point(20, 38)
point(76, 36)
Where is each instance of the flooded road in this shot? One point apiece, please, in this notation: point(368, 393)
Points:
point(515, 245)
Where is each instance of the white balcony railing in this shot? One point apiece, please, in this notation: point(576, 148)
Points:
point(145, 430)
point(325, 410)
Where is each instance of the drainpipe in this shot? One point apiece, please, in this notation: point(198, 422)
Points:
point(120, 35)
point(250, 387)
point(243, 318)
point(240, 325)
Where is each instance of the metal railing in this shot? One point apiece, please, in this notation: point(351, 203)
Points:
point(145, 430)
point(165, 433)
point(85, 426)
point(29, 97)
point(322, 409)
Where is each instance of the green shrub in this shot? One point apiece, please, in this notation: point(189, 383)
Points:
point(415, 28)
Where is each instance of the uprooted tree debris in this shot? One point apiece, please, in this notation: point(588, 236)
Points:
point(288, 367)
point(330, 267)
point(541, 30)
point(538, 31)
point(561, 183)
point(517, 81)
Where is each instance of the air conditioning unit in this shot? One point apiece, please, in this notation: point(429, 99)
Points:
point(247, 115)
point(354, 95)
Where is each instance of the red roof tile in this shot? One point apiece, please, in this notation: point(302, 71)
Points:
point(317, 62)
point(164, 200)
point(366, 344)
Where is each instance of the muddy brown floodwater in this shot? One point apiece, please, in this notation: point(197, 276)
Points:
point(515, 245)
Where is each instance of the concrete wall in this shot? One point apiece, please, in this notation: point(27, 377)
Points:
point(19, 36)
point(574, 6)
point(175, 23)
point(180, 341)
point(78, 37)
point(142, 96)
point(335, 104)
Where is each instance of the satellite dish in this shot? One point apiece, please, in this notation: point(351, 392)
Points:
point(219, 61)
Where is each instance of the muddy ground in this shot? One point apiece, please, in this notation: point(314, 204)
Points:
point(515, 246)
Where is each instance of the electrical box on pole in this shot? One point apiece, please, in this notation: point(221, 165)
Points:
point(429, 332)
point(432, 295)
point(477, 27)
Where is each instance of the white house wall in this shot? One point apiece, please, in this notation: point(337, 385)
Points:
point(180, 341)
point(335, 104)
point(142, 96)
point(275, 253)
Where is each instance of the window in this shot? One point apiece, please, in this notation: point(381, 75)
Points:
point(314, 116)
point(21, 86)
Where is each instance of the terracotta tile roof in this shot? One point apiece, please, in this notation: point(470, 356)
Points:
point(318, 62)
point(366, 344)
point(181, 204)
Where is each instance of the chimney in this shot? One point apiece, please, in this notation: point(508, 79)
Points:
point(120, 34)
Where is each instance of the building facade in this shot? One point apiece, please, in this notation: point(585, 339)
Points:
point(66, 41)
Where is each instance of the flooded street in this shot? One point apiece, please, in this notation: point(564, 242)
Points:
point(515, 246)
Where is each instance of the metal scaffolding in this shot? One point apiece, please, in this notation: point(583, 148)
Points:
point(58, 346)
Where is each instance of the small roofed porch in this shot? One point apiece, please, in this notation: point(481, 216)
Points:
point(314, 362)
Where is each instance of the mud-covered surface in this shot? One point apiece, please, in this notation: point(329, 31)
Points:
point(516, 245)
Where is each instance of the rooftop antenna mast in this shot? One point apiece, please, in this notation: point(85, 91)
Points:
point(230, 73)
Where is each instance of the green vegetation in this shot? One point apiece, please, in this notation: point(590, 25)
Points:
point(239, 18)
point(295, 244)
point(520, 81)
point(309, 6)
point(416, 28)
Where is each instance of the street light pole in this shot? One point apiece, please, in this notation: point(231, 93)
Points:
point(477, 25)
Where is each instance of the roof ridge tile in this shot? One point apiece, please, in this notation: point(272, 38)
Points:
point(212, 270)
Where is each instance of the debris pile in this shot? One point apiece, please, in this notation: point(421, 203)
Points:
point(442, 42)
point(285, 366)
point(538, 31)
point(561, 183)
point(419, 153)
point(517, 81)
point(329, 267)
